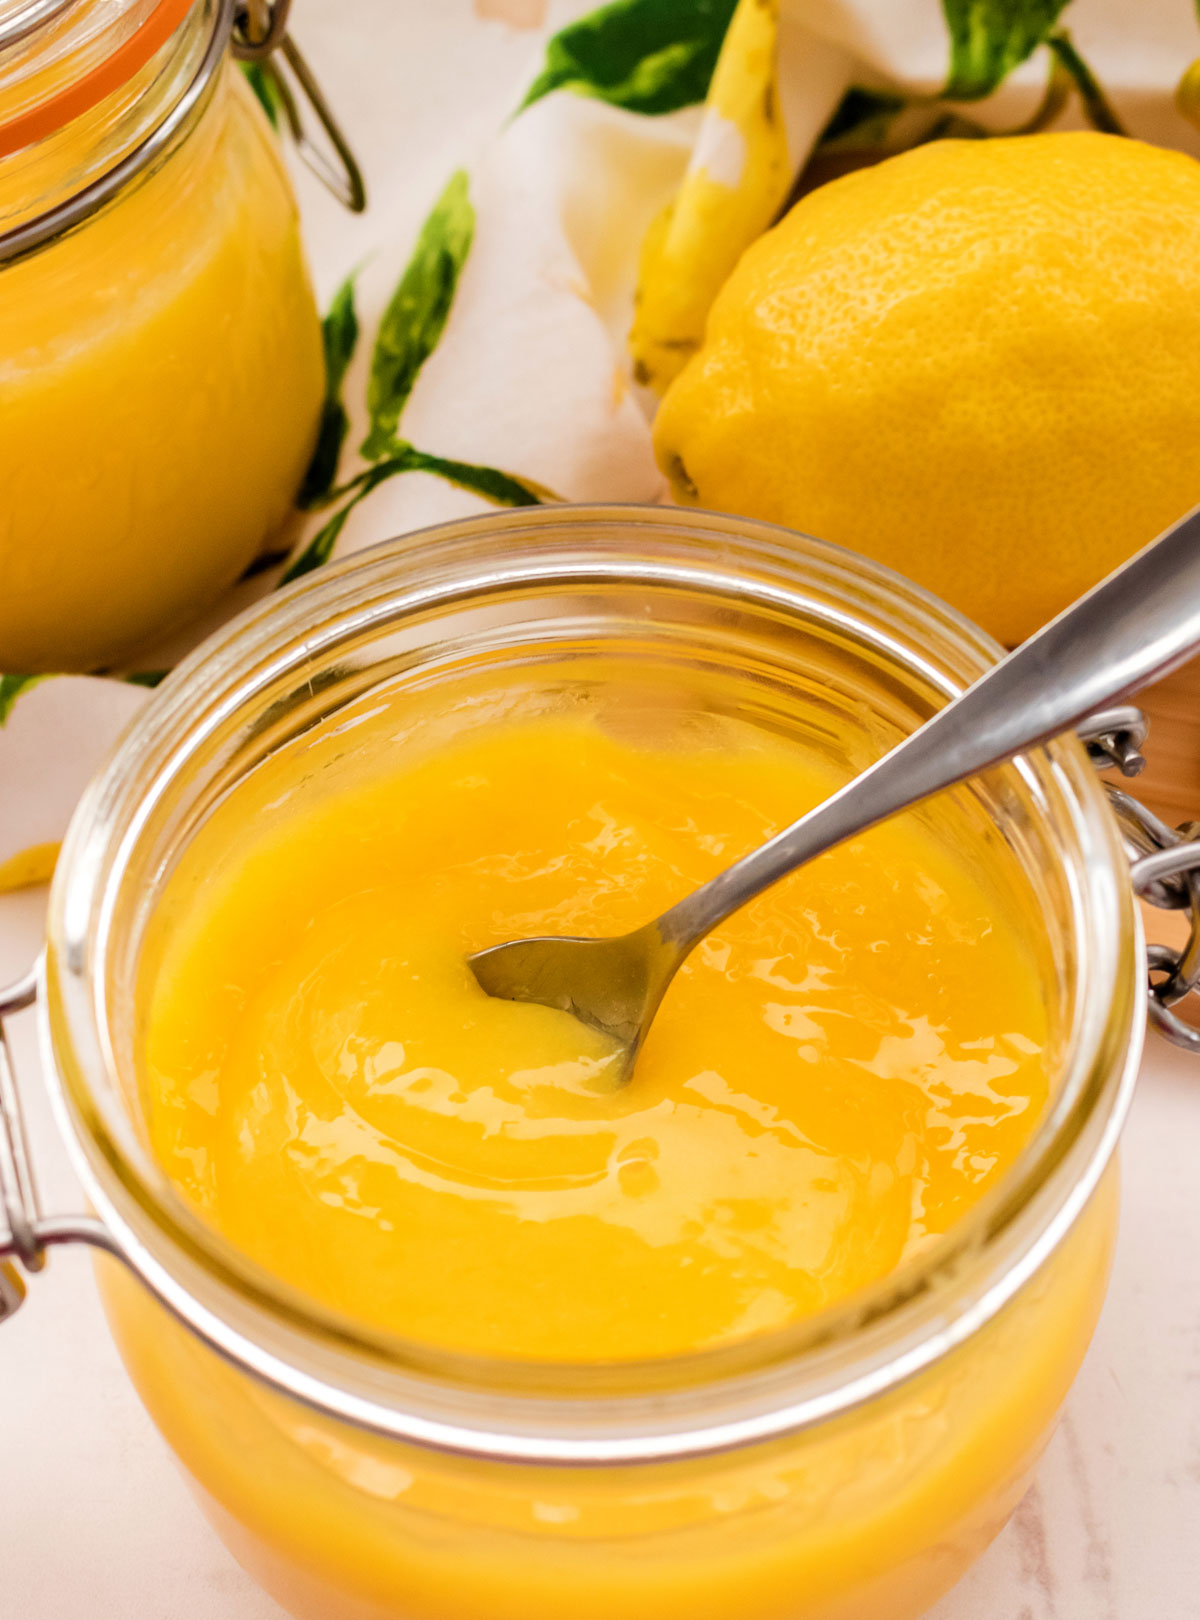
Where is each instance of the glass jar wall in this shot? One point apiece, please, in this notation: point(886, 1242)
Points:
point(846, 1467)
point(160, 354)
point(873, 1515)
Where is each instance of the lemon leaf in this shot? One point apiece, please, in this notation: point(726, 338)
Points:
point(320, 548)
point(339, 337)
point(501, 488)
point(648, 56)
point(988, 38)
point(11, 687)
point(414, 320)
point(262, 80)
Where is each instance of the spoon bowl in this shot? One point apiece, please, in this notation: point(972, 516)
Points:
point(613, 985)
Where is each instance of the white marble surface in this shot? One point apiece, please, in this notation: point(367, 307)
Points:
point(97, 1524)
point(95, 1520)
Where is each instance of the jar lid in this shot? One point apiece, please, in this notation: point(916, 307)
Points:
point(59, 58)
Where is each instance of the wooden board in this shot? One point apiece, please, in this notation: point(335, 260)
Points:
point(1170, 784)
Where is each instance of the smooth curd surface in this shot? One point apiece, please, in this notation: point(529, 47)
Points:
point(837, 1075)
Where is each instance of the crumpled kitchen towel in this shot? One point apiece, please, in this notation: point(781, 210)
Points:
point(501, 358)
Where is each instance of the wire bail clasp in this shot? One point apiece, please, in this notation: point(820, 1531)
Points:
point(1164, 868)
point(261, 40)
point(1166, 873)
point(18, 1195)
point(25, 1232)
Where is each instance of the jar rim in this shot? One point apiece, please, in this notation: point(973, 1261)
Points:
point(699, 1402)
point(165, 34)
point(107, 57)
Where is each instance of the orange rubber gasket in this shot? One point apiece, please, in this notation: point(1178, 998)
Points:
point(92, 87)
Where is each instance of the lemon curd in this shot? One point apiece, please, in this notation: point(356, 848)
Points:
point(160, 382)
point(840, 1073)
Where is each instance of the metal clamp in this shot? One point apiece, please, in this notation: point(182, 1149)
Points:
point(260, 38)
point(1164, 868)
point(1114, 738)
point(18, 1195)
point(25, 1233)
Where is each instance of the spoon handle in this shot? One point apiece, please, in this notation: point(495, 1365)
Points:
point(1136, 625)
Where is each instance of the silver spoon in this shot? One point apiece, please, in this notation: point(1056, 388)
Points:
point(1138, 624)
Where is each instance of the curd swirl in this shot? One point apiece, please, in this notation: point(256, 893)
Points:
point(837, 1073)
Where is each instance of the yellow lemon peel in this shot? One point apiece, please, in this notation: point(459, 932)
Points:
point(974, 362)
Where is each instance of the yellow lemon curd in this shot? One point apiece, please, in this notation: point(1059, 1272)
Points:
point(160, 381)
point(837, 1075)
point(838, 1072)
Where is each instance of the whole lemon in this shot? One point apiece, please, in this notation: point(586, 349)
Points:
point(978, 362)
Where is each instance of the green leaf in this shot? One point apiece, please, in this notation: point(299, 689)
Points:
point(339, 336)
point(988, 38)
point(415, 317)
point(862, 118)
point(262, 80)
point(499, 487)
point(11, 687)
point(649, 56)
point(320, 548)
point(146, 677)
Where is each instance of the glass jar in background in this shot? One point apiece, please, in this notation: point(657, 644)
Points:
point(849, 1466)
point(160, 351)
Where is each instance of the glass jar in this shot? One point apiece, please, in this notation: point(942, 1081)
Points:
point(161, 369)
point(849, 1466)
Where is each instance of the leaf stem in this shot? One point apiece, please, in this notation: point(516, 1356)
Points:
point(1095, 103)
